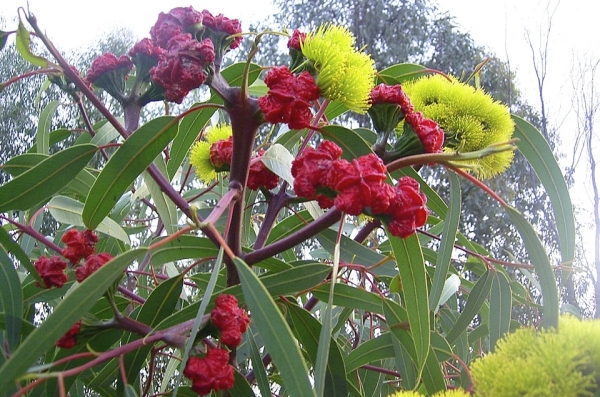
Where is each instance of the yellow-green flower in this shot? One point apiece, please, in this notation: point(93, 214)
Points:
point(548, 363)
point(200, 152)
point(343, 74)
point(470, 118)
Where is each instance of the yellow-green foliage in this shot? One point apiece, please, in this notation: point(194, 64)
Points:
point(470, 118)
point(445, 393)
point(543, 364)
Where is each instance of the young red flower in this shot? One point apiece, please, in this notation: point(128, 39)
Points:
point(394, 94)
point(79, 244)
point(230, 319)
point(260, 176)
point(68, 340)
point(183, 68)
point(107, 63)
point(221, 153)
point(52, 271)
point(408, 208)
point(289, 97)
point(93, 263)
point(178, 20)
point(211, 372)
point(429, 132)
point(296, 40)
point(311, 171)
point(222, 27)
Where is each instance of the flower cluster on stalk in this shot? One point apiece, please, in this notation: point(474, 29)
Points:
point(80, 245)
point(212, 371)
point(359, 187)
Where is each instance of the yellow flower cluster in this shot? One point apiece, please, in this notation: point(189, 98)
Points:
point(200, 152)
point(343, 74)
point(470, 118)
point(548, 363)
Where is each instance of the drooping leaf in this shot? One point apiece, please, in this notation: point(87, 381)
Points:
point(23, 43)
point(43, 180)
point(15, 249)
point(11, 299)
point(372, 350)
point(539, 154)
point(68, 211)
point(276, 334)
point(42, 136)
point(279, 160)
point(126, 164)
point(543, 268)
point(413, 275)
point(475, 300)
point(166, 208)
point(65, 314)
point(399, 73)
point(442, 263)
point(500, 308)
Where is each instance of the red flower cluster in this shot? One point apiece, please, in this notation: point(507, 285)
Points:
point(52, 271)
point(108, 63)
point(222, 24)
point(67, 341)
point(259, 175)
point(230, 319)
point(178, 20)
point(183, 68)
point(147, 48)
point(221, 153)
point(79, 244)
point(211, 372)
point(427, 130)
point(92, 263)
point(295, 42)
point(289, 97)
point(359, 187)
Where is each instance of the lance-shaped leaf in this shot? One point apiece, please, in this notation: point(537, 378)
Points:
point(45, 179)
point(275, 332)
point(413, 275)
point(399, 73)
point(11, 299)
point(23, 43)
point(42, 136)
point(539, 154)
point(128, 162)
point(80, 299)
point(500, 308)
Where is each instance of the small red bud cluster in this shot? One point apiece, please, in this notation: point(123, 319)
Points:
point(107, 63)
point(259, 175)
point(289, 97)
point(79, 245)
point(359, 187)
point(213, 371)
point(68, 340)
point(428, 131)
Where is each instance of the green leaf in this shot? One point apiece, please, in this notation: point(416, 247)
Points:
point(189, 129)
point(23, 43)
point(372, 350)
point(399, 73)
point(105, 133)
point(3, 40)
point(159, 305)
point(11, 300)
point(543, 268)
point(42, 136)
point(42, 181)
point(404, 345)
point(500, 308)
point(353, 252)
point(274, 330)
point(279, 160)
point(307, 330)
point(539, 154)
point(166, 208)
point(416, 298)
point(352, 143)
point(433, 377)
point(128, 162)
point(347, 296)
point(442, 263)
point(241, 387)
point(68, 211)
point(65, 314)
point(258, 366)
point(15, 249)
point(476, 299)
